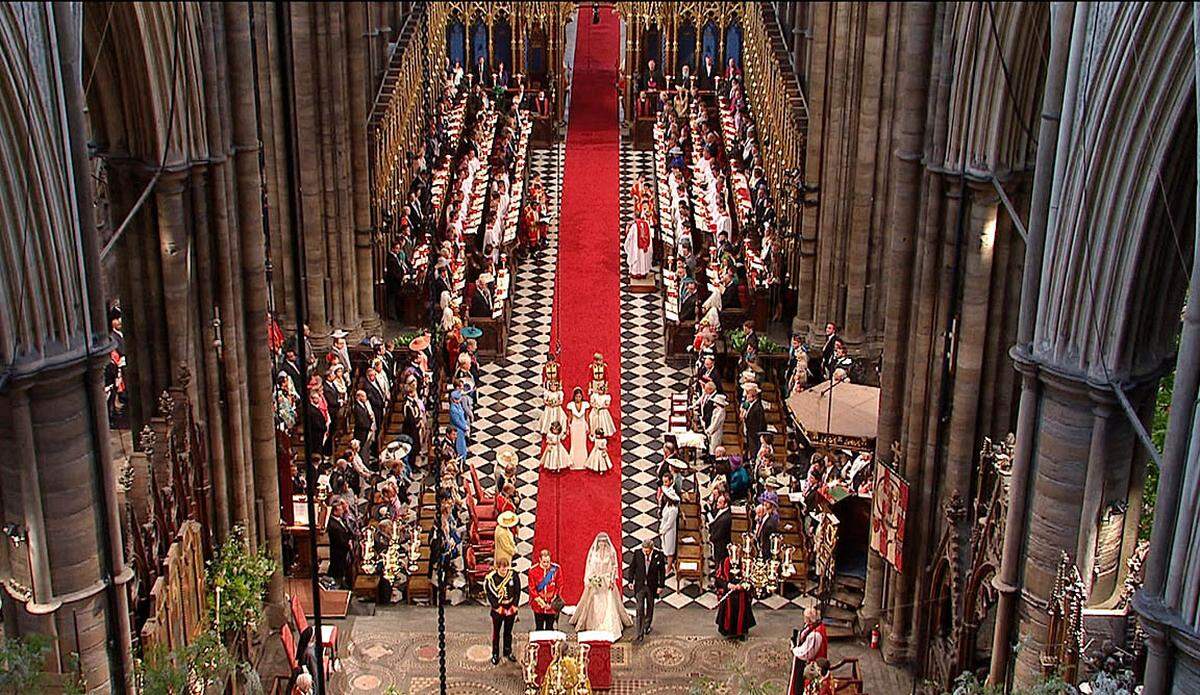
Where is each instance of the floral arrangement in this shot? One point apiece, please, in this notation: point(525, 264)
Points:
point(737, 339)
point(237, 582)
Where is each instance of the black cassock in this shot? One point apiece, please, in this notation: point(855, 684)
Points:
point(735, 615)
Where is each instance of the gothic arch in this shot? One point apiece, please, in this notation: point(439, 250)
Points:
point(1106, 246)
point(995, 113)
point(128, 50)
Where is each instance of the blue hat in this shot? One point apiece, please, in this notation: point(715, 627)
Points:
point(471, 332)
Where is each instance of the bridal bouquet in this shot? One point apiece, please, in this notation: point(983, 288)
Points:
point(599, 582)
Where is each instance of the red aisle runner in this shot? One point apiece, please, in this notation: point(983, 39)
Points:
point(574, 506)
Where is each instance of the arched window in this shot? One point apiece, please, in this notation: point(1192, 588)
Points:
point(502, 45)
point(686, 48)
point(479, 42)
point(456, 43)
point(733, 43)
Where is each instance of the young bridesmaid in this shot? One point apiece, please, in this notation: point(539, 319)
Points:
point(598, 460)
point(554, 458)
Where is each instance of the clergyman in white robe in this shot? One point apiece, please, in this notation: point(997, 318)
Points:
point(638, 250)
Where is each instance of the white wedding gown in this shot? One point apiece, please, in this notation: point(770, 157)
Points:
point(600, 606)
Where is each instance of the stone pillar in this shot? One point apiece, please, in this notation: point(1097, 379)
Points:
point(309, 169)
point(851, 106)
point(914, 55)
point(360, 95)
point(249, 192)
point(175, 258)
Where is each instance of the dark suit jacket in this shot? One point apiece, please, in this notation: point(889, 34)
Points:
point(730, 298)
point(687, 307)
point(762, 534)
point(756, 423)
point(316, 424)
point(720, 531)
point(394, 270)
point(647, 578)
point(378, 404)
point(342, 537)
point(362, 420)
point(481, 305)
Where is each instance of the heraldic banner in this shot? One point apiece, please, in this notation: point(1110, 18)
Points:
point(888, 509)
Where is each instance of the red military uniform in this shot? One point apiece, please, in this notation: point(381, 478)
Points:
point(543, 585)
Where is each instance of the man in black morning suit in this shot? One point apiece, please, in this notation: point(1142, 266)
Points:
point(648, 570)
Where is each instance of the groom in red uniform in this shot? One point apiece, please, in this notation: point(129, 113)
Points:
point(543, 592)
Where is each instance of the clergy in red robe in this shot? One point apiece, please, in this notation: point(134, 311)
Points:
point(735, 615)
point(810, 647)
point(637, 247)
point(543, 592)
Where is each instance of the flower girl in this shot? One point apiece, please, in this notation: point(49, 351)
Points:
point(554, 458)
point(598, 460)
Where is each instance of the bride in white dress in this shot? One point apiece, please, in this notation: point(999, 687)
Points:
point(577, 411)
point(600, 607)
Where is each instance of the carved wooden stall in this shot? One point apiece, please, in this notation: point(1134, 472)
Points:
point(675, 34)
point(960, 595)
point(1065, 635)
point(166, 527)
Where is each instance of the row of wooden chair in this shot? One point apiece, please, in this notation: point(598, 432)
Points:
point(289, 634)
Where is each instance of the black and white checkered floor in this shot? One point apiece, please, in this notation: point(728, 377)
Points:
point(507, 409)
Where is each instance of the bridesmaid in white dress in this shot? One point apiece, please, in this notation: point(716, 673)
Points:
point(598, 460)
point(577, 411)
point(554, 458)
point(599, 419)
point(552, 398)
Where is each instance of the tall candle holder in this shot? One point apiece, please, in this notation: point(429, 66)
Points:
point(761, 573)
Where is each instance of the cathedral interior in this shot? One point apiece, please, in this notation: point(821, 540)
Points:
point(860, 338)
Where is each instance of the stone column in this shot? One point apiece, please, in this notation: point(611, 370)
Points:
point(309, 170)
point(252, 254)
point(175, 251)
point(360, 95)
point(916, 23)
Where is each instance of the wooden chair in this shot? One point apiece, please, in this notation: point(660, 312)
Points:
point(289, 650)
point(329, 633)
point(849, 682)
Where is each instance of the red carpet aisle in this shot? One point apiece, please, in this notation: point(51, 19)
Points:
point(574, 506)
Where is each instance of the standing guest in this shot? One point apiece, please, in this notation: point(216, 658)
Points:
point(766, 525)
point(363, 418)
point(735, 615)
point(754, 419)
point(317, 420)
point(481, 300)
point(503, 589)
point(394, 274)
point(543, 592)
point(410, 424)
point(812, 646)
point(458, 418)
point(647, 570)
point(720, 529)
point(668, 518)
point(712, 415)
point(687, 301)
point(343, 540)
point(339, 349)
point(709, 71)
point(505, 499)
point(505, 541)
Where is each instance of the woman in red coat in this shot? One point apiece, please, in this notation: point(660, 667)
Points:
point(543, 592)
